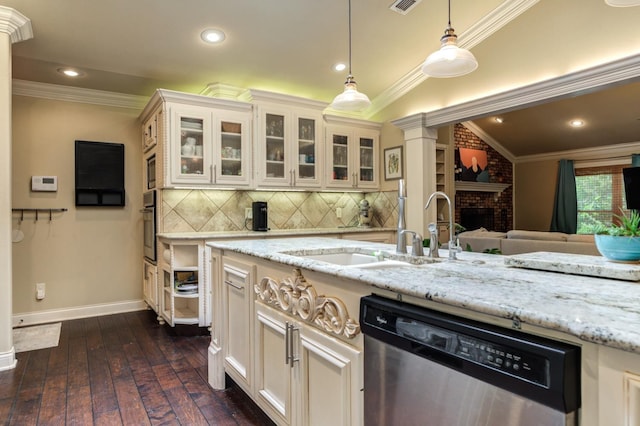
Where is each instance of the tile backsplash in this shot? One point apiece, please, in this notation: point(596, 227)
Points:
point(204, 210)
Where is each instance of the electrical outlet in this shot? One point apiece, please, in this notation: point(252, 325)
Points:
point(40, 287)
point(248, 213)
point(338, 212)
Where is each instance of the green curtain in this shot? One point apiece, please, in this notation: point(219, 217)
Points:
point(565, 209)
point(635, 160)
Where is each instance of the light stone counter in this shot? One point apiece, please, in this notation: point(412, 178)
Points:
point(598, 310)
point(221, 235)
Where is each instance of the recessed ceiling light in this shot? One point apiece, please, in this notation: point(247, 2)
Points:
point(70, 72)
point(576, 123)
point(213, 36)
point(340, 67)
point(499, 120)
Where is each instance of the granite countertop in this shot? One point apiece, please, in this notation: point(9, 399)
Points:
point(219, 235)
point(594, 309)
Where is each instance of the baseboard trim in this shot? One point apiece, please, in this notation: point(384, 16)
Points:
point(55, 315)
point(8, 360)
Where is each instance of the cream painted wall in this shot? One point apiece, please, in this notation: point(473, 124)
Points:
point(86, 255)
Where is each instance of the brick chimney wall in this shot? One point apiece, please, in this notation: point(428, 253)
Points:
point(500, 171)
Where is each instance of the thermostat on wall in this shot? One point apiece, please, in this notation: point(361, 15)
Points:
point(44, 183)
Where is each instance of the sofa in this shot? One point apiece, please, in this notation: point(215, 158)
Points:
point(517, 241)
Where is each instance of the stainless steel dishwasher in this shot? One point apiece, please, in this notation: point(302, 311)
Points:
point(424, 367)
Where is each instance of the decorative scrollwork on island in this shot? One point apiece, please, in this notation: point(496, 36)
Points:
point(295, 296)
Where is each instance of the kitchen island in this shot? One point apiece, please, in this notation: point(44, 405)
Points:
point(600, 315)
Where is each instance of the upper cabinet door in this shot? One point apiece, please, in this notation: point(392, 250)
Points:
point(307, 157)
point(367, 161)
point(232, 156)
point(191, 143)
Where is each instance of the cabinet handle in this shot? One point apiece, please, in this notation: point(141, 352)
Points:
point(234, 285)
point(212, 170)
point(353, 180)
point(286, 343)
point(293, 175)
point(293, 357)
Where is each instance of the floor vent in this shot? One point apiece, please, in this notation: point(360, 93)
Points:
point(403, 6)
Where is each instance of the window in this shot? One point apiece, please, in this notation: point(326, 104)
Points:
point(600, 192)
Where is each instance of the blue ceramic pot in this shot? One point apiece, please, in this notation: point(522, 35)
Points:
point(619, 248)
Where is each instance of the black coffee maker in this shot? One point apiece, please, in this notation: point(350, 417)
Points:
point(260, 216)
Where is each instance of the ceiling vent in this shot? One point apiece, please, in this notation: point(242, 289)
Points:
point(403, 6)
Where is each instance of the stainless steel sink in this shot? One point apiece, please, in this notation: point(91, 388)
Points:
point(350, 257)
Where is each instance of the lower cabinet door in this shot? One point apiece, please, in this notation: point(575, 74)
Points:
point(236, 285)
point(273, 370)
point(330, 380)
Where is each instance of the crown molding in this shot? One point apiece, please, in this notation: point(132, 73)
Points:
point(481, 30)
point(15, 24)
point(585, 154)
point(76, 94)
point(576, 83)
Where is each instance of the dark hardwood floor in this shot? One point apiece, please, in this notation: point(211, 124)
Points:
point(120, 369)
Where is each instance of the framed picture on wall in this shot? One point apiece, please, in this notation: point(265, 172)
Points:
point(393, 163)
point(474, 165)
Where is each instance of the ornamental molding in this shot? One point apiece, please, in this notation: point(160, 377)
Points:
point(297, 297)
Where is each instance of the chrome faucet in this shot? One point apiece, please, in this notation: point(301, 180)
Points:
point(453, 246)
point(401, 242)
point(416, 242)
point(433, 241)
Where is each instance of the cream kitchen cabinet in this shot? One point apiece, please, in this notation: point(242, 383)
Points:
point(184, 292)
point(288, 134)
point(307, 349)
point(352, 154)
point(150, 287)
point(618, 387)
point(302, 375)
point(237, 297)
point(202, 141)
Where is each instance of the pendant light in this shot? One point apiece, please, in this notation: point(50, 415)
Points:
point(350, 99)
point(450, 60)
point(622, 3)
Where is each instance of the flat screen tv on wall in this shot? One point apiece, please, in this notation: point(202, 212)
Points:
point(631, 177)
point(99, 174)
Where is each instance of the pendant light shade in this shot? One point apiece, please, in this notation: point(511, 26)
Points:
point(450, 60)
point(622, 3)
point(350, 99)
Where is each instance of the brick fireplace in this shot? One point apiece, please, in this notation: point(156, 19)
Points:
point(485, 209)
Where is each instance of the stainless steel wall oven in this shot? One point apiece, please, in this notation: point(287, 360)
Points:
point(149, 219)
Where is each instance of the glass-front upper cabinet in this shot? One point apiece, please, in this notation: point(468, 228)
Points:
point(288, 155)
point(232, 144)
point(210, 146)
point(308, 158)
point(191, 146)
point(352, 158)
point(289, 131)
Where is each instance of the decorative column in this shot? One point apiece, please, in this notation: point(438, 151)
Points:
point(420, 176)
point(14, 27)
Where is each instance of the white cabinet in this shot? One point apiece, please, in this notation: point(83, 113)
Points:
point(150, 286)
point(289, 132)
point(237, 295)
point(618, 387)
point(184, 297)
point(352, 155)
point(202, 141)
point(303, 376)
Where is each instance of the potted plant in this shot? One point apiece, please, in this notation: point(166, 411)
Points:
point(620, 242)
